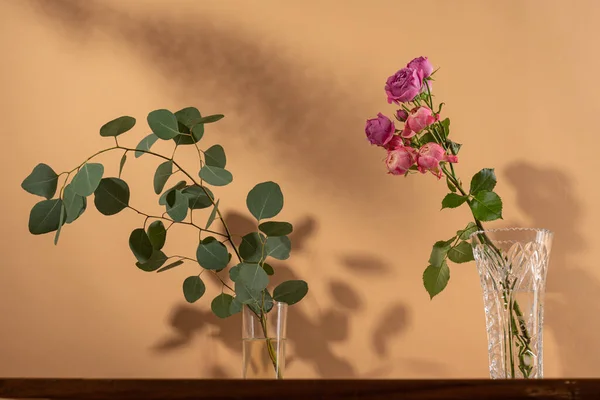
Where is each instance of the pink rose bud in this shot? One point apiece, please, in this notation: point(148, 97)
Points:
point(395, 143)
point(422, 65)
point(399, 160)
point(418, 119)
point(401, 115)
point(403, 86)
point(430, 156)
point(380, 130)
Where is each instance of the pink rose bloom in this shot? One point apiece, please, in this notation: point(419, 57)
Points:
point(380, 130)
point(399, 160)
point(395, 143)
point(430, 156)
point(422, 65)
point(403, 86)
point(418, 119)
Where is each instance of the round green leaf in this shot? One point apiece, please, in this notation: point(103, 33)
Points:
point(157, 234)
point(41, 181)
point(216, 176)
point(111, 196)
point(215, 156)
point(212, 255)
point(221, 305)
point(197, 197)
point(140, 245)
point(279, 247)
point(290, 292)
point(162, 175)
point(268, 269)
point(265, 200)
point(193, 288)
point(145, 145)
point(177, 205)
point(189, 126)
point(483, 180)
point(435, 279)
point(236, 306)
point(252, 249)
point(234, 272)
point(163, 123)
point(156, 260)
point(453, 200)
point(45, 216)
point(461, 253)
point(163, 198)
point(274, 228)
point(250, 282)
point(264, 305)
point(75, 204)
point(117, 126)
point(486, 206)
point(87, 179)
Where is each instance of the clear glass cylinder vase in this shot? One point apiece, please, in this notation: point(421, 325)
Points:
point(263, 337)
point(512, 265)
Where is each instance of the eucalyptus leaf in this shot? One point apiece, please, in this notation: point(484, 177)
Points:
point(210, 118)
point(117, 126)
point(215, 156)
point(145, 144)
point(486, 206)
point(75, 204)
point(435, 279)
point(191, 131)
point(221, 305)
point(251, 280)
point(213, 215)
point(177, 205)
point(483, 180)
point(122, 163)
point(42, 181)
point(156, 260)
point(212, 255)
point(198, 198)
point(252, 248)
point(193, 288)
point(162, 175)
point(172, 265)
point(163, 123)
point(216, 176)
point(461, 253)
point(279, 247)
point(140, 245)
point(268, 269)
point(453, 200)
point(87, 179)
point(290, 292)
point(111, 196)
point(265, 200)
point(163, 198)
point(45, 216)
point(275, 228)
point(61, 223)
point(157, 234)
point(236, 306)
point(234, 272)
point(264, 305)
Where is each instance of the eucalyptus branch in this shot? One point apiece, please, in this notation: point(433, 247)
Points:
point(175, 222)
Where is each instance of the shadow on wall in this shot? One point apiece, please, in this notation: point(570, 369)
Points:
point(320, 330)
point(547, 196)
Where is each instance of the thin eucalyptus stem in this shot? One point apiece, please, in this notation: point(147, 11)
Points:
point(174, 222)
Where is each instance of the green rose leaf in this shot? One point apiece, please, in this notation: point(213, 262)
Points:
point(461, 253)
point(427, 138)
point(171, 266)
point(450, 185)
point(454, 147)
point(111, 196)
point(162, 175)
point(251, 248)
point(156, 260)
point(163, 123)
point(275, 228)
point(145, 145)
point(483, 180)
point(466, 233)
point(210, 119)
point(250, 281)
point(191, 131)
point(215, 156)
point(117, 126)
point(221, 305)
point(87, 179)
point(61, 218)
point(140, 245)
point(216, 176)
point(446, 126)
point(265, 200)
point(122, 163)
point(163, 198)
point(453, 200)
point(213, 215)
point(439, 251)
point(45, 216)
point(435, 279)
point(486, 206)
point(157, 234)
point(236, 306)
point(193, 288)
point(42, 181)
point(279, 247)
point(290, 292)
point(177, 205)
point(75, 204)
point(197, 197)
point(212, 255)
point(268, 269)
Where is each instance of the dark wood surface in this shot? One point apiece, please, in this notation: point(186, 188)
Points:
point(151, 389)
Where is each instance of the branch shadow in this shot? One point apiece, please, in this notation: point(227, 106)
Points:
point(547, 196)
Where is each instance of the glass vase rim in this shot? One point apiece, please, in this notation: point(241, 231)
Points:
point(514, 229)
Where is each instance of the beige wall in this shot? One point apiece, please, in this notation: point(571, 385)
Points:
point(296, 81)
